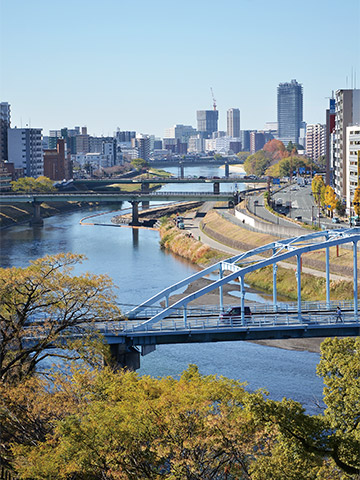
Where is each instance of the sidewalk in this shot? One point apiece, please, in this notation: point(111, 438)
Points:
point(192, 224)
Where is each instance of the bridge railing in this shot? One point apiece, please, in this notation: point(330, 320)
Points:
point(216, 323)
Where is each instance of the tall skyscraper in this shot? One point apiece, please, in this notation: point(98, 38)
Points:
point(233, 122)
point(347, 112)
point(4, 125)
point(207, 122)
point(289, 111)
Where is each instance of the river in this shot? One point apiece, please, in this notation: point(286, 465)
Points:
point(139, 269)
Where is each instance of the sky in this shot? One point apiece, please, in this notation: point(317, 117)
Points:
point(146, 65)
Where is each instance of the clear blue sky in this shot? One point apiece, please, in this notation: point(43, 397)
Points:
point(146, 65)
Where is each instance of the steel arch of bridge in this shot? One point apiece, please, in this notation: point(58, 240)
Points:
point(239, 265)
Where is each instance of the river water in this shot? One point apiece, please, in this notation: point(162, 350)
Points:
point(140, 268)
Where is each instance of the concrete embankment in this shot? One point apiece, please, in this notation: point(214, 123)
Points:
point(11, 215)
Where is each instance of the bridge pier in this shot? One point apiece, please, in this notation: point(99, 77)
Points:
point(275, 267)
point(356, 312)
point(216, 188)
point(135, 212)
point(145, 188)
point(181, 170)
point(298, 278)
point(227, 170)
point(125, 357)
point(37, 221)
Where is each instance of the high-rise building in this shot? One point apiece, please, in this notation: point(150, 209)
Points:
point(330, 129)
point(233, 122)
point(352, 141)
point(25, 150)
point(289, 111)
point(315, 141)
point(4, 125)
point(207, 122)
point(347, 112)
point(142, 143)
point(257, 141)
point(245, 140)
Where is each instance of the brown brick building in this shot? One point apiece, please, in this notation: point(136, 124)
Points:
point(56, 165)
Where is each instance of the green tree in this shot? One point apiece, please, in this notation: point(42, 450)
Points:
point(340, 208)
point(257, 163)
point(139, 164)
point(29, 184)
point(41, 302)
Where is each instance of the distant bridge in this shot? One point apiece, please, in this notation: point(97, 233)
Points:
point(133, 197)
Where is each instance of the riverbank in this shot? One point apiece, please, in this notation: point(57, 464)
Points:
point(12, 215)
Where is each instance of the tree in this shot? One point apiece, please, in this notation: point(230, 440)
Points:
point(40, 303)
point(317, 187)
point(257, 163)
point(29, 184)
point(330, 199)
point(123, 426)
point(276, 149)
point(139, 164)
point(340, 208)
point(356, 201)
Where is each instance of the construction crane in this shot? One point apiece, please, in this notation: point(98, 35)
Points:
point(214, 101)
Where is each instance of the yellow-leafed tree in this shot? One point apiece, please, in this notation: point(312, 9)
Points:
point(330, 199)
point(356, 201)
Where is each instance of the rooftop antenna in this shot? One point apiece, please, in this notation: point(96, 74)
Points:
point(214, 101)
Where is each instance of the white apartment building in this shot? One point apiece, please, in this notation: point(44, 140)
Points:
point(220, 145)
point(315, 141)
point(196, 144)
point(96, 160)
point(25, 150)
point(352, 164)
point(180, 132)
point(347, 112)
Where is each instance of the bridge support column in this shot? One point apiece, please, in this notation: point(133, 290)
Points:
point(298, 277)
point(145, 188)
point(135, 212)
point(221, 290)
point(185, 316)
point(226, 170)
point(125, 357)
point(181, 170)
point(327, 277)
point(356, 311)
point(275, 267)
point(242, 283)
point(216, 188)
point(37, 221)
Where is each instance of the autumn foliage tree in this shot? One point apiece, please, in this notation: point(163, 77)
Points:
point(330, 199)
point(38, 306)
point(318, 188)
point(356, 201)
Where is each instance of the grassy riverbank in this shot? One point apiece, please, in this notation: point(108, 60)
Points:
point(180, 243)
point(312, 286)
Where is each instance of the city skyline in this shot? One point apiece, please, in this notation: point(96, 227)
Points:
point(140, 66)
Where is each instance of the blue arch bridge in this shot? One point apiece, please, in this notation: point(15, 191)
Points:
point(150, 324)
